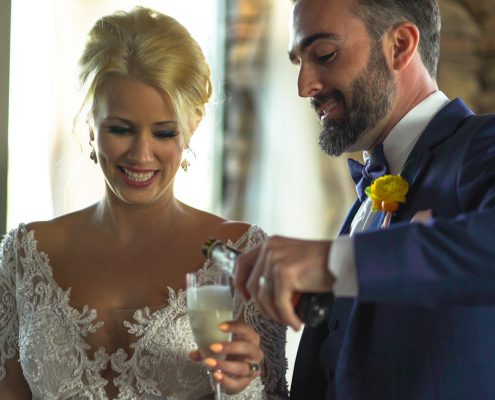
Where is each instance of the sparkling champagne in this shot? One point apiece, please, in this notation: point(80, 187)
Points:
point(207, 307)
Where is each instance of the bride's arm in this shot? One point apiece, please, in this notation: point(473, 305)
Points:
point(13, 386)
point(272, 337)
point(273, 342)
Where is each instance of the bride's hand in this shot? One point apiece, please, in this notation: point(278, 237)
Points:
point(244, 357)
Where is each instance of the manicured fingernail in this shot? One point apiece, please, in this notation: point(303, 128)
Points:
point(223, 326)
point(216, 347)
point(218, 376)
point(211, 362)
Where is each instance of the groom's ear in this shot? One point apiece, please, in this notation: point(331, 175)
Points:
point(401, 45)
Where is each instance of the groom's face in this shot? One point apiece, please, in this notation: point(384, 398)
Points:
point(344, 73)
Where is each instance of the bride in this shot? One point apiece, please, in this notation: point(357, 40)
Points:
point(92, 304)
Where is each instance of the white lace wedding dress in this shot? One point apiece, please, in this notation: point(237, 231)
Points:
point(38, 323)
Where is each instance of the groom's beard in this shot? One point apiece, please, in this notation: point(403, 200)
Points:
point(372, 95)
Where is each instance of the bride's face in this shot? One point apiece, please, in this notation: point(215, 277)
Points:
point(138, 144)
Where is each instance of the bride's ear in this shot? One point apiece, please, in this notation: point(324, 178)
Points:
point(195, 121)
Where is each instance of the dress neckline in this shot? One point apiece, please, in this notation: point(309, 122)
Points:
point(150, 333)
point(47, 270)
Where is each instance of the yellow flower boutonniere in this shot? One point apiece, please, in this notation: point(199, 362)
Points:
point(386, 193)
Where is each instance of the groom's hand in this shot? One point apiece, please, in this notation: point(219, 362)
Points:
point(276, 272)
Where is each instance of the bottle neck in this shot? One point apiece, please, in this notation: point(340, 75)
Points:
point(224, 257)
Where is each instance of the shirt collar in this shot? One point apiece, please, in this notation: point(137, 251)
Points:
point(401, 140)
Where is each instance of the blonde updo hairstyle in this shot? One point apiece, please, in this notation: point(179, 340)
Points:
point(153, 48)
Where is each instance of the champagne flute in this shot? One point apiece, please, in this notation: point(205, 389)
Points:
point(209, 303)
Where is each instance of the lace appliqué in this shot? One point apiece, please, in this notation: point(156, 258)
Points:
point(37, 321)
point(9, 323)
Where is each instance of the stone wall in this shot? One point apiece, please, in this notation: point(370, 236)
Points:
point(467, 62)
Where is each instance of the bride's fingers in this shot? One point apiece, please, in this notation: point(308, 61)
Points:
point(232, 375)
point(245, 344)
point(241, 331)
point(231, 385)
point(234, 369)
point(195, 355)
point(243, 357)
point(238, 350)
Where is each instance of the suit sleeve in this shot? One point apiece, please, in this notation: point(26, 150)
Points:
point(449, 261)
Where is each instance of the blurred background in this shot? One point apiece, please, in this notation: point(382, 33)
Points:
point(256, 156)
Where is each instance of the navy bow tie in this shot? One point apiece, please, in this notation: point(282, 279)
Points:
point(363, 175)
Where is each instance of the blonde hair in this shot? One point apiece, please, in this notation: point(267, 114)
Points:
point(153, 48)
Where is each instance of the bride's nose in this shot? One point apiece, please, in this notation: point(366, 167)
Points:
point(141, 150)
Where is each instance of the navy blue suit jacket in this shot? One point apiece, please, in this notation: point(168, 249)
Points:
point(423, 326)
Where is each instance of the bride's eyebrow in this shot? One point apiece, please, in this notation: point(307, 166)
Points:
point(168, 122)
point(118, 119)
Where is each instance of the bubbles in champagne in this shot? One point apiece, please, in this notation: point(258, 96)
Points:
point(208, 306)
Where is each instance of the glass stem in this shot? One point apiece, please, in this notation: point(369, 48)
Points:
point(218, 391)
point(215, 385)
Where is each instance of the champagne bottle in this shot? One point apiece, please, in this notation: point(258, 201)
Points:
point(311, 308)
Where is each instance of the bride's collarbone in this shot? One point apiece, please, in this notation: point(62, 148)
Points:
point(123, 280)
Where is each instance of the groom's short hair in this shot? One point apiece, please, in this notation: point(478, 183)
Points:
point(381, 15)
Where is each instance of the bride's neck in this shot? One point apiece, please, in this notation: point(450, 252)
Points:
point(128, 222)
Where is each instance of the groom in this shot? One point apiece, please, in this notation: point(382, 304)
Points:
point(414, 316)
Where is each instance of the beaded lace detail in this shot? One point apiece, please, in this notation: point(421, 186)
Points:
point(38, 323)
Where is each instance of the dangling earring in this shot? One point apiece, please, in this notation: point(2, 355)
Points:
point(185, 164)
point(92, 155)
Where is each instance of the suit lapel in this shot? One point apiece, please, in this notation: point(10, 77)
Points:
point(442, 126)
point(346, 226)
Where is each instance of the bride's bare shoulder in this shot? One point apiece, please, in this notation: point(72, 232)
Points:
point(232, 230)
point(225, 229)
point(56, 231)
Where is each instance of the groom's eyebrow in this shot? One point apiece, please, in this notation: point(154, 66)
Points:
point(308, 41)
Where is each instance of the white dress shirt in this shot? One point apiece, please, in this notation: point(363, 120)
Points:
point(397, 146)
